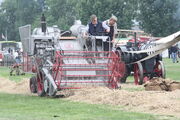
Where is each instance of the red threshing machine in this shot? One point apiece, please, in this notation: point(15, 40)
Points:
point(68, 63)
point(61, 63)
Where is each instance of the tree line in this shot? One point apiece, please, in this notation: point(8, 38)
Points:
point(157, 17)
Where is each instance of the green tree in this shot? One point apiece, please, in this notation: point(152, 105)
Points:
point(15, 14)
point(61, 13)
point(157, 17)
point(3, 24)
point(125, 10)
point(8, 24)
point(64, 12)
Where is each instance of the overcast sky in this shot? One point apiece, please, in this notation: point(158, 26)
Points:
point(1, 1)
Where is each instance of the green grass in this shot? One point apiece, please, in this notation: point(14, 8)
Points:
point(172, 69)
point(134, 89)
point(5, 73)
point(20, 107)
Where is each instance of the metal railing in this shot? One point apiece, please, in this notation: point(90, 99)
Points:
point(8, 60)
point(85, 67)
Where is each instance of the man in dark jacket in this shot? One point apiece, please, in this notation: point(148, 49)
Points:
point(95, 27)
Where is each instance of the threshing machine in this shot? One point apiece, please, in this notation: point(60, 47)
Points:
point(64, 63)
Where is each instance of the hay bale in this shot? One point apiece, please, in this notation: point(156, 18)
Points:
point(153, 88)
point(174, 86)
point(159, 84)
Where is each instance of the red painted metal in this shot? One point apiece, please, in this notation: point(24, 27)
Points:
point(88, 82)
point(111, 66)
point(107, 66)
point(75, 69)
point(158, 69)
point(136, 74)
point(86, 75)
point(27, 65)
point(39, 82)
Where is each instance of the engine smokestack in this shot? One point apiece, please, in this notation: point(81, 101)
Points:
point(43, 23)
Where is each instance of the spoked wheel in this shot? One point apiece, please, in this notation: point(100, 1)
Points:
point(52, 91)
point(118, 53)
point(40, 84)
point(33, 84)
point(121, 68)
point(127, 72)
point(138, 74)
point(160, 69)
point(114, 83)
point(112, 79)
point(115, 69)
point(48, 88)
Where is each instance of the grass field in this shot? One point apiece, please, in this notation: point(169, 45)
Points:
point(21, 107)
point(5, 73)
point(172, 69)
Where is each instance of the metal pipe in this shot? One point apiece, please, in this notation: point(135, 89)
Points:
point(135, 39)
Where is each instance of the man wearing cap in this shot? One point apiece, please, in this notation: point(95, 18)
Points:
point(111, 29)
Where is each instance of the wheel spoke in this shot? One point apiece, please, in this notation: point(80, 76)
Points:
point(138, 73)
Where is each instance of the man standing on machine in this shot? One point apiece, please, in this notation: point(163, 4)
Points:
point(95, 28)
point(111, 29)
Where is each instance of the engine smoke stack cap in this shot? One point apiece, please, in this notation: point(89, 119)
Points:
point(43, 23)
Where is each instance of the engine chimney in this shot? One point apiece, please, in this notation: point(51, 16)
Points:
point(43, 23)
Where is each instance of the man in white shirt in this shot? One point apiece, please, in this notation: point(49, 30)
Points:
point(111, 27)
point(17, 57)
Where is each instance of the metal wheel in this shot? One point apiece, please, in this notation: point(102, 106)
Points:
point(48, 88)
point(117, 67)
point(121, 68)
point(52, 91)
point(40, 84)
point(33, 84)
point(118, 53)
point(114, 83)
point(46, 85)
point(127, 72)
point(160, 69)
point(138, 74)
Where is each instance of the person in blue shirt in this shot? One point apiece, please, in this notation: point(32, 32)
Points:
point(174, 51)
